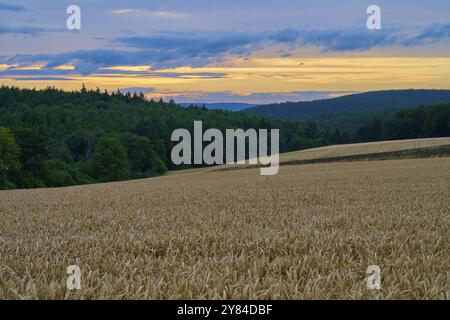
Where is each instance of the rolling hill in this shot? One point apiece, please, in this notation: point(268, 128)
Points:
point(362, 102)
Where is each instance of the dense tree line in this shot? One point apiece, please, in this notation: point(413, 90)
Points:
point(354, 103)
point(419, 122)
point(52, 138)
point(413, 123)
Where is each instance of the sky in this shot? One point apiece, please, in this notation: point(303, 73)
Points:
point(252, 51)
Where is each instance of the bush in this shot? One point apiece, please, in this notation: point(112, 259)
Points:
point(55, 173)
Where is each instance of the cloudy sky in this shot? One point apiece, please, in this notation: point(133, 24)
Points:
point(226, 51)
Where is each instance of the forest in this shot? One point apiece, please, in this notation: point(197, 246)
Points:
point(366, 102)
point(54, 138)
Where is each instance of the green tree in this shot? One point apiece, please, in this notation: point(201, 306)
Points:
point(110, 161)
point(56, 173)
point(299, 143)
point(311, 130)
point(144, 161)
point(9, 156)
point(33, 146)
point(34, 150)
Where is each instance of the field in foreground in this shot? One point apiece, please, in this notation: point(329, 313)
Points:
point(309, 232)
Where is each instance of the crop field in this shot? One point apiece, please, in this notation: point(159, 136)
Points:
point(364, 148)
point(309, 232)
point(380, 150)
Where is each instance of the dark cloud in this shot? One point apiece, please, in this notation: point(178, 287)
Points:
point(190, 42)
point(25, 30)
point(284, 36)
point(85, 61)
point(168, 49)
point(430, 34)
point(174, 49)
point(364, 39)
point(43, 79)
point(12, 7)
point(49, 71)
point(348, 40)
point(44, 72)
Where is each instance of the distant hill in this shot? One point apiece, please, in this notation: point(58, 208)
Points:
point(230, 106)
point(362, 102)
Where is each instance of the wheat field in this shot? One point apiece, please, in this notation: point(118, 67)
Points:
point(364, 148)
point(309, 232)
